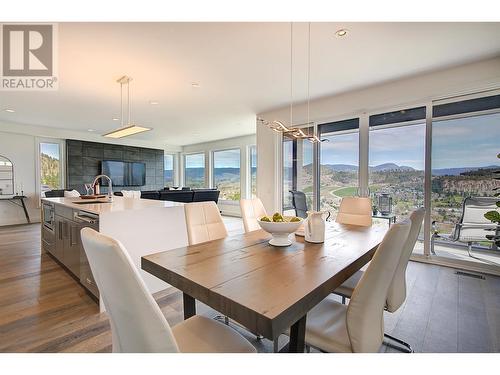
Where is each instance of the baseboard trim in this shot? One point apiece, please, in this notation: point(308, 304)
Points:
point(457, 264)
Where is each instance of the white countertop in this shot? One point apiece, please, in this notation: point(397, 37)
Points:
point(118, 204)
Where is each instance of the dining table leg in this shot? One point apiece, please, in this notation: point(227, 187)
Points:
point(189, 304)
point(298, 336)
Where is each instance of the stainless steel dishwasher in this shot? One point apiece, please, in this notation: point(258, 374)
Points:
point(85, 219)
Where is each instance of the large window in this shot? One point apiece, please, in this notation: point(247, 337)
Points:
point(465, 144)
point(194, 170)
point(339, 162)
point(397, 158)
point(50, 167)
point(297, 169)
point(226, 174)
point(253, 171)
point(461, 156)
point(168, 166)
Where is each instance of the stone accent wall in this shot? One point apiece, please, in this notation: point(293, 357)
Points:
point(83, 163)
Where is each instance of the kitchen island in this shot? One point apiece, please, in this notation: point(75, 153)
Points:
point(143, 226)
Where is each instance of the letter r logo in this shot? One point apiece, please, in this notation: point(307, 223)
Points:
point(27, 50)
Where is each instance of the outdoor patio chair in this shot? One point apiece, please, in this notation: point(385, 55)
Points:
point(473, 226)
point(299, 203)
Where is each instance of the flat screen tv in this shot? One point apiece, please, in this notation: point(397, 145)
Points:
point(123, 173)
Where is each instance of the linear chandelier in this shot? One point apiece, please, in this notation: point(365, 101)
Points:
point(130, 128)
point(278, 126)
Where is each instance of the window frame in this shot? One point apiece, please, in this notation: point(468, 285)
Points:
point(38, 169)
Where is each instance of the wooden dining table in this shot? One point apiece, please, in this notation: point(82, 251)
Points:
point(264, 288)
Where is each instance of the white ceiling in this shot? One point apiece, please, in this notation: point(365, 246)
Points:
point(242, 69)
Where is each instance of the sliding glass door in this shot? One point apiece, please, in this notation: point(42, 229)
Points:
point(439, 161)
point(396, 164)
point(339, 163)
point(252, 150)
point(298, 173)
point(465, 144)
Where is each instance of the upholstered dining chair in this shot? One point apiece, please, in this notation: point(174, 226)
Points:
point(397, 290)
point(355, 211)
point(137, 323)
point(204, 222)
point(251, 210)
point(359, 326)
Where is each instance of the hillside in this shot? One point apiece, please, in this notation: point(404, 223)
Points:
point(50, 168)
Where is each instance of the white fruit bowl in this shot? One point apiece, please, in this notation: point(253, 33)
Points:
point(281, 230)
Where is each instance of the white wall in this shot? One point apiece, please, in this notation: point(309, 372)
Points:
point(20, 149)
point(419, 89)
point(243, 143)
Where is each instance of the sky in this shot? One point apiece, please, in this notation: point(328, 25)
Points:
point(466, 142)
point(195, 160)
point(227, 159)
point(222, 159)
point(169, 162)
point(403, 145)
point(51, 149)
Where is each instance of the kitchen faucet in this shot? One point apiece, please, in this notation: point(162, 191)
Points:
point(110, 187)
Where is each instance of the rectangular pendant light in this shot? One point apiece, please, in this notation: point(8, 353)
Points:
point(126, 131)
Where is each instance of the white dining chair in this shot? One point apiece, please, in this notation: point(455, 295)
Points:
point(137, 323)
point(204, 222)
point(359, 326)
point(251, 210)
point(396, 295)
point(355, 211)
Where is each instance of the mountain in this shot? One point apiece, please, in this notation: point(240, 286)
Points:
point(391, 167)
point(378, 168)
point(168, 175)
point(199, 173)
point(341, 167)
point(459, 171)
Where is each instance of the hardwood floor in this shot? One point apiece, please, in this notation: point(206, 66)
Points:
point(43, 309)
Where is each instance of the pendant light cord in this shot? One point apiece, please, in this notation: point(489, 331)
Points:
point(128, 101)
point(291, 74)
point(308, 69)
point(121, 104)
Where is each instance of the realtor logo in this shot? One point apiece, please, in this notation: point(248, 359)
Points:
point(28, 57)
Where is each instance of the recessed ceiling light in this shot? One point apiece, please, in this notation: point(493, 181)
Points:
point(195, 85)
point(10, 110)
point(116, 119)
point(91, 130)
point(341, 33)
point(154, 102)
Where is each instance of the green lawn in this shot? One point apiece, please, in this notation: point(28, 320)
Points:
point(308, 189)
point(346, 191)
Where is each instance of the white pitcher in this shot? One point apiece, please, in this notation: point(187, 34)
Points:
point(315, 226)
